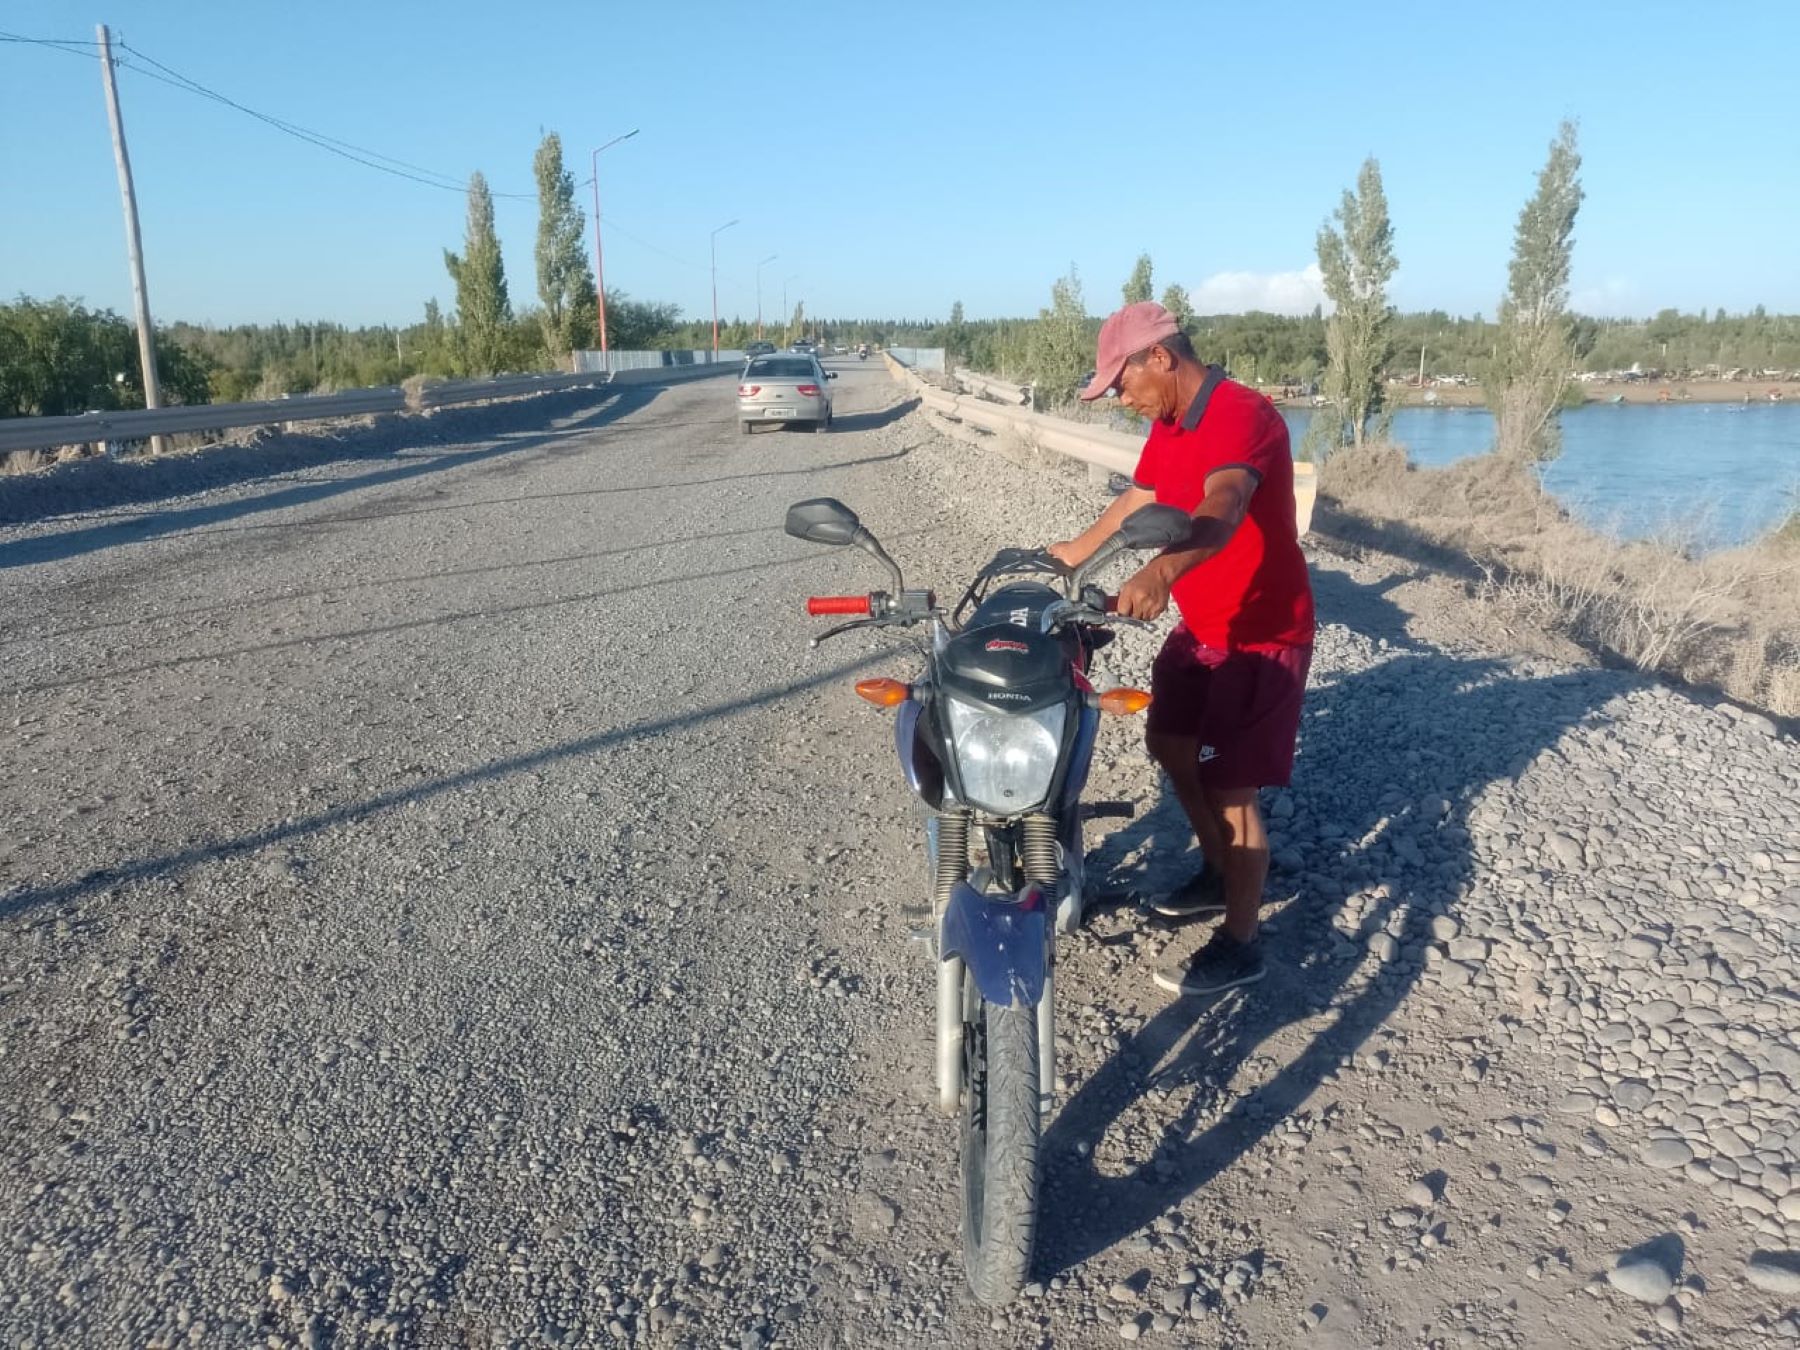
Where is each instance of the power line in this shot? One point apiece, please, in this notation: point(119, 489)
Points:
point(357, 154)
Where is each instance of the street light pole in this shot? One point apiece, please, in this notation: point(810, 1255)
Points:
point(786, 313)
point(713, 241)
point(599, 265)
point(759, 267)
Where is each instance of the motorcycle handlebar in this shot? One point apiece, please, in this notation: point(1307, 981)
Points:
point(838, 604)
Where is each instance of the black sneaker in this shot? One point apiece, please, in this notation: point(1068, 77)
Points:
point(1202, 896)
point(1223, 963)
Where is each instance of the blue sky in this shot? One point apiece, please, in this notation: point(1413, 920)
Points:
point(898, 158)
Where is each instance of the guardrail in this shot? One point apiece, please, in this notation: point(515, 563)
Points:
point(1108, 450)
point(49, 433)
point(1015, 394)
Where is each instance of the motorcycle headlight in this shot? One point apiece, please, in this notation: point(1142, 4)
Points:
point(1006, 759)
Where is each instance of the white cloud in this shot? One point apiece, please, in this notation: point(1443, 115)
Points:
point(1614, 298)
point(1273, 292)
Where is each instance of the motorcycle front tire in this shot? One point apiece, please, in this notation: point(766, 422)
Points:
point(1001, 1124)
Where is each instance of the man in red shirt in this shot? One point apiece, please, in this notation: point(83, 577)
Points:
point(1227, 686)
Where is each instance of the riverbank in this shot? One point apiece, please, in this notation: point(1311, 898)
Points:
point(1728, 621)
point(1638, 391)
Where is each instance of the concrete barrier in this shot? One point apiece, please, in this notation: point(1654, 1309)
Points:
point(1111, 451)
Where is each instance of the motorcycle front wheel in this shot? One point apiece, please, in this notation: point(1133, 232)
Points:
point(1001, 1122)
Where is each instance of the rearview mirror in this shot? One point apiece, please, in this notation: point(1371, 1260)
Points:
point(823, 520)
point(1155, 526)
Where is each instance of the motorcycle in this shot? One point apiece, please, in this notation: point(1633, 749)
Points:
point(996, 738)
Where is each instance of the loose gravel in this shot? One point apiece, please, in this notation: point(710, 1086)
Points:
point(446, 903)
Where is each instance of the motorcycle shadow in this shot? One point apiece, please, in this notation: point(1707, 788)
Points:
point(1198, 1076)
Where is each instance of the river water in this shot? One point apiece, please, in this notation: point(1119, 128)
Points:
point(1714, 474)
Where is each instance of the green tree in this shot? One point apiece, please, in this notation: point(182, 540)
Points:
point(955, 338)
point(1357, 264)
point(1138, 285)
point(482, 309)
point(565, 282)
point(1061, 350)
point(1533, 355)
point(1175, 300)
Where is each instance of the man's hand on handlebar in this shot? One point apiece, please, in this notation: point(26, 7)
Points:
point(1146, 594)
point(1066, 553)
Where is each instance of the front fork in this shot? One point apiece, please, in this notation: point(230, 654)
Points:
point(947, 847)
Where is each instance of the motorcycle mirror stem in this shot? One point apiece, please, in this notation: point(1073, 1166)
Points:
point(826, 520)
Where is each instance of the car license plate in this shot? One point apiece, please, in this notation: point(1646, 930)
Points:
point(778, 412)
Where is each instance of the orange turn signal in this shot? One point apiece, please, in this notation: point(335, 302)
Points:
point(886, 693)
point(1124, 702)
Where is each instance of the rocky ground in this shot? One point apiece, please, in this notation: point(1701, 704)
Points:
point(446, 903)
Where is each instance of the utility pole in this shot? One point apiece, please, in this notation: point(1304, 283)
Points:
point(713, 242)
point(599, 265)
point(1421, 365)
point(133, 247)
point(759, 267)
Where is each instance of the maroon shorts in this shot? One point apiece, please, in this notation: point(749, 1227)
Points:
point(1242, 706)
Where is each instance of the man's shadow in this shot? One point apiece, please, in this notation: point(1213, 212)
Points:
point(1394, 755)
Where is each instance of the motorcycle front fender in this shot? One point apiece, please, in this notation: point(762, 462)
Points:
point(1001, 939)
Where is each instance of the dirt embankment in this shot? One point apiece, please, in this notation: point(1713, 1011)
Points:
point(1729, 621)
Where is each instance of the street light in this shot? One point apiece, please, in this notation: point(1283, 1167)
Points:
point(759, 267)
point(599, 267)
point(713, 242)
point(787, 314)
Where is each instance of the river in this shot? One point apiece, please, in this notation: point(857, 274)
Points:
point(1717, 474)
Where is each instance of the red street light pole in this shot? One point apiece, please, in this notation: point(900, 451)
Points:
point(599, 267)
point(714, 242)
point(759, 267)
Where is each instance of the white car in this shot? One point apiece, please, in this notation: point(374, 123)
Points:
point(788, 387)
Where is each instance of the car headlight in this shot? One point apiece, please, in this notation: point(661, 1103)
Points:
point(1006, 760)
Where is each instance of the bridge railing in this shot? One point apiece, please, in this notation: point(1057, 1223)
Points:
point(1107, 452)
point(49, 433)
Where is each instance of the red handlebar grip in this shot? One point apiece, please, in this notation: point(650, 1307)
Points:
point(1111, 605)
point(837, 604)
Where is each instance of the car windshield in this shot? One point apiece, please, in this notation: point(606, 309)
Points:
point(779, 368)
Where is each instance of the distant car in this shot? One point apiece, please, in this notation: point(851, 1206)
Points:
point(787, 387)
point(752, 349)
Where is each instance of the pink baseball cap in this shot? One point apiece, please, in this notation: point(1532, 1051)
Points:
point(1124, 335)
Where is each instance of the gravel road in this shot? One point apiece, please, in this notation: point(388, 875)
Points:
point(443, 902)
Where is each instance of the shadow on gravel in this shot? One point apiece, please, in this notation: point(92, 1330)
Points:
point(869, 421)
point(196, 473)
point(240, 603)
point(1393, 759)
point(351, 517)
point(409, 625)
point(170, 864)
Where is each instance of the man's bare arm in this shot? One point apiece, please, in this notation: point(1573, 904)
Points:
point(1074, 552)
point(1216, 519)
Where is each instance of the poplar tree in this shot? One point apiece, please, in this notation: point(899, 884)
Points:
point(1175, 300)
point(1060, 349)
point(565, 282)
point(1533, 354)
point(1138, 285)
point(482, 310)
point(1357, 260)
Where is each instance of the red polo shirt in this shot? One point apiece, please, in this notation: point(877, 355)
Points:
point(1254, 592)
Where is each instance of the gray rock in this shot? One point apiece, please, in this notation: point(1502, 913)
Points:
point(1666, 1153)
point(1648, 1271)
point(1775, 1272)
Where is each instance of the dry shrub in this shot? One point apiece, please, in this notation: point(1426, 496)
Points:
point(25, 461)
point(1730, 620)
point(414, 387)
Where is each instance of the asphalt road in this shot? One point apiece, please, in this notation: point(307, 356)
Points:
point(443, 902)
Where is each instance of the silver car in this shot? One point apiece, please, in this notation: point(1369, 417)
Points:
point(785, 387)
